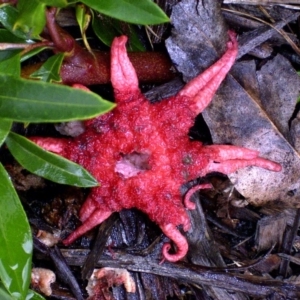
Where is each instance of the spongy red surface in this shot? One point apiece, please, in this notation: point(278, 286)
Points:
point(141, 153)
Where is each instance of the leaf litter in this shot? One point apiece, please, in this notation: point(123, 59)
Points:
point(246, 110)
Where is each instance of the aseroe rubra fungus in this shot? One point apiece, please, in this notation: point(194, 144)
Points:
point(141, 153)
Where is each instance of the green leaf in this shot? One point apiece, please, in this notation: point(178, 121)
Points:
point(46, 164)
point(10, 62)
point(134, 43)
point(32, 295)
point(33, 101)
point(8, 17)
point(7, 36)
point(15, 240)
point(144, 12)
point(32, 53)
point(107, 29)
point(10, 58)
point(49, 71)
point(5, 126)
point(83, 17)
point(55, 3)
point(4, 295)
point(31, 19)
point(7, 54)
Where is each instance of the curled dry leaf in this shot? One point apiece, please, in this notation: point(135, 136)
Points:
point(295, 132)
point(47, 238)
point(23, 180)
point(251, 109)
point(271, 111)
point(270, 231)
point(41, 279)
point(103, 279)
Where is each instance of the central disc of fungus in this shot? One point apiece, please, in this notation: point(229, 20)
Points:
point(132, 164)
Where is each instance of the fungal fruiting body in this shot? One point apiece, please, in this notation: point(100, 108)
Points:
point(141, 153)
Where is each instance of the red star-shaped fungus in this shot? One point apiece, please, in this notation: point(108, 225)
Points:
point(141, 153)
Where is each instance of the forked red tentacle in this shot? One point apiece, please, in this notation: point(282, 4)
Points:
point(232, 165)
point(87, 209)
point(95, 219)
point(123, 75)
point(204, 86)
point(51, 144)
point(225, 152)
point(179, 240)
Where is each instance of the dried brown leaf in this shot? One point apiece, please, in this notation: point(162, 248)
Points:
point(269, 231)
point(246, 110)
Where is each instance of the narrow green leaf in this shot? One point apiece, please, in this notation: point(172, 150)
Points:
point(7, 36)
point(144, 12)
point(5, 126)
point(10, 58)
point(33, 101)
point(31, 18)
point(10, 62)
point(4, 295)
point(56, 3)
point(46, 164)
point(83, 17)
point(7, 54)
point(107, 29)
point(15, 240)
point(8, 17)
point(32, 53)
point(104, 28)
point(134, 41)
point(49, 71)
point(32, 295)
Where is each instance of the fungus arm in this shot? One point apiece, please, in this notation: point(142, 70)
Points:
point(179, 240)
point(202, 88)
point(96, 218)
point(123, 75)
